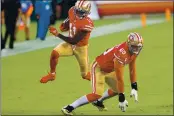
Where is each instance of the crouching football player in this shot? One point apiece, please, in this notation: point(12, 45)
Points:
point(109, 67)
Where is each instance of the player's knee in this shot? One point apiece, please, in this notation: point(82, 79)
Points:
point(54, 54)
point(93, 97)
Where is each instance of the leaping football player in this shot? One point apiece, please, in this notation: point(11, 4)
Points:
point(109, 68)
point(79, 26)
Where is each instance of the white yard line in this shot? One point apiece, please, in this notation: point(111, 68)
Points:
point(51, 41)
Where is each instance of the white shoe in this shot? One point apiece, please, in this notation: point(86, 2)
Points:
point(66, 112)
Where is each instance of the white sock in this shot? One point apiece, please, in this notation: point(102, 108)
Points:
point(79, 102)
point(105, 96)
point(53, 73)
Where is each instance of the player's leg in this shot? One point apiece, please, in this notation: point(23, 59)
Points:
point(106, 95)
point(12, 32)
point(17, 25)
point(110, 80)
point(63, 49)
point(81, 54)
point(5, 37)
point(97, 78)
point(26, 19)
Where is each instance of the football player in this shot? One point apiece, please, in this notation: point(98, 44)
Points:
point(24, 16)
point(109, 67)
point(79, 26)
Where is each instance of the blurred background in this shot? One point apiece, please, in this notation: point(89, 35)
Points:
point(29, 19)
point(26, 45)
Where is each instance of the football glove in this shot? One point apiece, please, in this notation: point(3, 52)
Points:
point(134, 94)
point(123, 105)
point(53, 30)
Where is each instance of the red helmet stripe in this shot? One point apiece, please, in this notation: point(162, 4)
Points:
point(139, 38)
point(79, 4)
point(89, 6)
point(82, 2)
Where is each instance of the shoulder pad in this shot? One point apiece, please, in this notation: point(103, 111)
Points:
point(88, 25)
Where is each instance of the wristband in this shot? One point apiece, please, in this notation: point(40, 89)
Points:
point(121, 97)
point(134, 86)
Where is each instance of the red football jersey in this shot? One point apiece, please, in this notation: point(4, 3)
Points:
point(119, 52)
point(76, 24)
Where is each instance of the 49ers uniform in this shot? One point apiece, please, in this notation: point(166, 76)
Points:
point(105, 65)
point(108, 67)
point(80, 49)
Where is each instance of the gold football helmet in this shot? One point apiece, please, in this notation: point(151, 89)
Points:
point(82, 8)
point(135, 43)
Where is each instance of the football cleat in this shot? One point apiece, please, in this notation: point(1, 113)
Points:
point(67, 110)
point(87, 77)
point(99, 105)
point(48, 77)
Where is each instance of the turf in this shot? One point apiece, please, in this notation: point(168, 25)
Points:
point(23, 94)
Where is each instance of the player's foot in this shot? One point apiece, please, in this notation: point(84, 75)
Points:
point(48, 77)
point(99, 105)
point(87, 77)
point(67, 110)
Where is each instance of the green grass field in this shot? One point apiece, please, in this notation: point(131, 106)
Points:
point(22, 93)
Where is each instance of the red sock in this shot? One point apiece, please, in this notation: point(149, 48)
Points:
point(111, 92)
point(53, 61)
point(93, 97)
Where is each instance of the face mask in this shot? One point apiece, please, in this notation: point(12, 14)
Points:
point(135, 49)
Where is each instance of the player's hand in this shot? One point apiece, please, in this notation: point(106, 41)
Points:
point(123, 105)
point(134, 94)
point(53, 30)
point(63, 27)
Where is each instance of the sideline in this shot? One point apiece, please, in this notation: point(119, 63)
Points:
point(51, 41)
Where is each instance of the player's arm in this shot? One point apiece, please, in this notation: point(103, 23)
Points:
point(133, 79)
point(73, 40)
point(65, 25)
point(80, 34)
point(132, 73)
point(119, 69)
